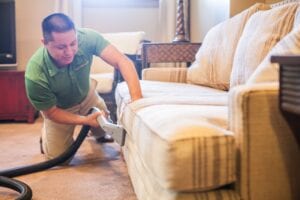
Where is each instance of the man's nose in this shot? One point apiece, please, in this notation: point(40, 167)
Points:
point(69, 50)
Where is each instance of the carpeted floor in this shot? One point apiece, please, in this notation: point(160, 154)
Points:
point(97, 171)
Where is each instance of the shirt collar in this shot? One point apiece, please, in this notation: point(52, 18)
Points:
point(51, 67)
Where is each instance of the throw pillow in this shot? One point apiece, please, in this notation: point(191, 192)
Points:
point(267, 71)
point(263, 30)
point(213, 62)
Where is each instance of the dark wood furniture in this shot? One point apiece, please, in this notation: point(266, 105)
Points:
point(14, 104)
point(169, 52)
point(289, 90)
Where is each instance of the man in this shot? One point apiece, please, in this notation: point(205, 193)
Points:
point(58, 83)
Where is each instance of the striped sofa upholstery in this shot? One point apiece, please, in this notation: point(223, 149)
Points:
point(191, 141)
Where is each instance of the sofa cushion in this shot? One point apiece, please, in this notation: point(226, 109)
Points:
point(185, 147)
point(156, 92)
point(168, 74)
point(146, 186)
point(214, 59)
point(104, 82)
point(268, 71)
point(262, 31)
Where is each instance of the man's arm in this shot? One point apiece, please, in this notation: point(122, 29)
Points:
point(61, 116)
point(115, 58)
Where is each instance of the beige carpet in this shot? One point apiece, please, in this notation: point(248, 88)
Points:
point(97, 171)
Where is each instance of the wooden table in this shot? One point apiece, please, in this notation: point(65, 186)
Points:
point(289, 90)
point(14, 104)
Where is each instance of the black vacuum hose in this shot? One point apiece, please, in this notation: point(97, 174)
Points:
point(24, 189)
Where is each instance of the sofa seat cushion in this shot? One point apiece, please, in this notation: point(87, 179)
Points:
point(156, 91)
point(146, 186)
point(185, 147)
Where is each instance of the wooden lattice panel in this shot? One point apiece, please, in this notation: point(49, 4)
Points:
point(169, 52)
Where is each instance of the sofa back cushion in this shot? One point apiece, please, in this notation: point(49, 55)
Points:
point(213, 62)
point(262, 31)
point(289, 45)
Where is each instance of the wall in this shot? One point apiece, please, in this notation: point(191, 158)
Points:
point(272, 1)
point(205, 14)
point(29, 15)
point(107, 18)
point(237, 6)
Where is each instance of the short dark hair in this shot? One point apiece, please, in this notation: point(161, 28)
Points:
point(56, 22)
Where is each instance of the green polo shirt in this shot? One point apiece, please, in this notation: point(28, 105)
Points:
point(48, 85)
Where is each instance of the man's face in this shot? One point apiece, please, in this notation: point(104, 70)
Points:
point(62, 47)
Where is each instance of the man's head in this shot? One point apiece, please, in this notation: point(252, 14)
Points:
point(59, 37)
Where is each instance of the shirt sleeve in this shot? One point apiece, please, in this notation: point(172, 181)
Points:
point(94, 41)
point(40, 96)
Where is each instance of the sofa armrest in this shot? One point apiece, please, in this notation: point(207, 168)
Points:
point(166, 74)
point(168, 53)
point(268, 155)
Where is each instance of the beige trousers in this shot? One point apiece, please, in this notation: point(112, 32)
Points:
point(58, 137)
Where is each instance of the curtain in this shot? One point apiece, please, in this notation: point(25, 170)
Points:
point(72, 8)
point(167, 19)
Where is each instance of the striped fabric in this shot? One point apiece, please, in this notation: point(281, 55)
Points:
point(268, 153)
point(214, 59)
point(268, 71)
point(146, 186)
point(263, 30)
point(167, 74)
point(185, 147)
point(170, 89)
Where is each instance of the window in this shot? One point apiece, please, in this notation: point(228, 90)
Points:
point(120, 3)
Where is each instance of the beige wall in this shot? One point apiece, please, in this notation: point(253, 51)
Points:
point(29, 14)
point(272, 1)
point(205, 14)
point(122, 19)
point(237, 6)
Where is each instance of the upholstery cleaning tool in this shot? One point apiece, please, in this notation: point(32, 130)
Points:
point(116, 131)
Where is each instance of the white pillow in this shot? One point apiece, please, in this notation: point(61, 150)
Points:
point(262, 31)
point(214, 59)
point(126, 42)
point(267, 71)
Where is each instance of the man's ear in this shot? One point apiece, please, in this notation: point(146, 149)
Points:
point(43, 41)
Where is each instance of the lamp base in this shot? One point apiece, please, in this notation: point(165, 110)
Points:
point(181, 38)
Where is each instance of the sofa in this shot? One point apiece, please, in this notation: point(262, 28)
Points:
point(213, 130)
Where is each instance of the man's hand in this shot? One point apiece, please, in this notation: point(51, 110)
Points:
point(61, 116)
point(91, 119)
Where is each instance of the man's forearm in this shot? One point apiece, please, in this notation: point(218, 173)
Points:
point(115, 58)
point(61, 116)
point(130, 75)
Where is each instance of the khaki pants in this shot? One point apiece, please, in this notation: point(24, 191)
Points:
point(58, 137)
